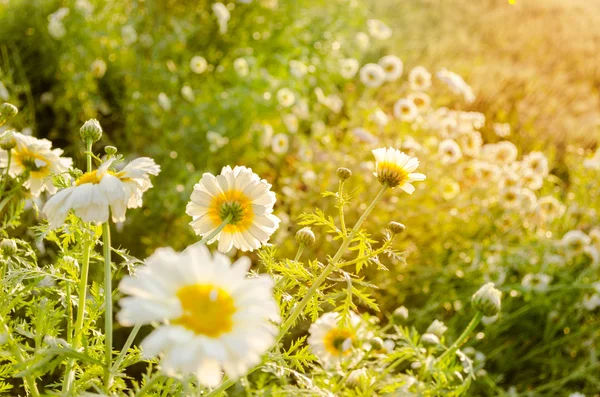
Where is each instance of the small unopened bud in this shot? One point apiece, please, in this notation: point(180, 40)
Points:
point(343, 173)
point(356, 377)
point(91, 131)
point(8, 110)
point(110, 150)
point(8, 246)
point(396, 227)
point(400, 315)
point(437, 328)
point(430, 339)
point(376, 343)
point(305, 236)
point(487, 300)
point(7, 140)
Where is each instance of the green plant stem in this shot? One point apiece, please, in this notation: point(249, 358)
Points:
point(341, 207)
point(27, 379)
point(108, 312)
point(78, 331)
point(5, 177)
point(126, 347)
point(155, 378)
point(299, 253)
point(462, 338)
point(299, 308)
point(378, 251)
point(218, 230)
point(88, 148)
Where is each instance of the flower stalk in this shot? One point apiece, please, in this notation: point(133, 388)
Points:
point(462, 338)
point(108, 312)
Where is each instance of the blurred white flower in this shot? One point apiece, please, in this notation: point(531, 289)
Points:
point(575, 241)
point(550, 208)
point(392, 66)
point(298, 69)
point(164, 101)
point(56, 29)
point(212, 317)
point(223, 16)
point(266, 136)
point(456, 84)
point(241, 67)
point(216, 141)
point(198, 64)
point(85, 7)
point(188, 93)
point(286, 97)
point(503, 152)
point(364, 135)
point(379, 117)
point(437, 328)
point(536, 282)
point(280, 144)
point(239, 196)
point(593, 162)
point(449, 151)
point(395, 168)
point(291, 122)
point(501, 129)
point(591, 302)
point(363, 41)
point(419, 79)
point(421, 100)
point(378, 29)
point(372, 75)
point(405, 110)
point(348, 68)
point(4, 95)
point(98, 68)
point(129, 35)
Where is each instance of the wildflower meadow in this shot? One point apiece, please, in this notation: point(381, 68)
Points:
point(271, 198)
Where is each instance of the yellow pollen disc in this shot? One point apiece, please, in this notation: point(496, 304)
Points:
point(392, 174)
point(26, 159)
point(246, 214)
point(88, 177)
point(207, 310)
point(336, 341)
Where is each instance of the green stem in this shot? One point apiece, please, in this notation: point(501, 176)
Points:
point(88, 146)
point(148, 385)
point(299, 253)
point(126, 347)
point(341, 207)
point(375, 253)
point(299, 308)
point(78, 331)
point(5, 178)
point(108, 312)
point(27, 379)
point(462, 338)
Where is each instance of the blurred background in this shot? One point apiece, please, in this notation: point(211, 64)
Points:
point(198, 85)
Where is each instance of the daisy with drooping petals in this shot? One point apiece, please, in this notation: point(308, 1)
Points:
point(331, 341)
point(214, 318)
point(239, 197)
point(395, 168)
point(95, 193)
point(37, 157)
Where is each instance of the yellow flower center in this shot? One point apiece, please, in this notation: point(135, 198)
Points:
point(34, 162)
point(339, 341)
point(88, 177)
point(207, 310)
point(234, 204)
point(392, 174)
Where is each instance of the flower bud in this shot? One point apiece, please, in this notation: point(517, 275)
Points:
point(7, 140)
point(343, 173)
point(305, 236)
point(376, 343)
point(437, 328)
point(8, 246)
point(356, 377)
point(91, 131)
point(8, 110)
point(396, 227)
point(400, 315)
point(110, 150)
point(430, 339)
point(487, 300)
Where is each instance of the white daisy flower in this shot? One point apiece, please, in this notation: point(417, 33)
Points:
point(510, 198)
point(532, 180)
point(395, 168)
point(94, 193)
point(164, 101)
point(471, 143)
point(238, 195)
point(379, 117)
point(214, 319)
point(378, 29)
point(456, 84)
point(286, 97)
point(298, 69)
point(98, 68)
point(364, 135)
point(372, 75)
point(216, 141)
point(536, 282)
point(291, 122)
point(188, 93)
point(501, 129)
point(280, 144)
point(504, 152)
point(198, 64)
point(37, 157)
point(405, 110)
point(593, 162)
point(129, 35)
point(363, 41)
point(550, 208)
point(392, 66)
point(537, 162)
point(348, 68)
point(449, 151)
point(419, 79)
point(330, 341)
